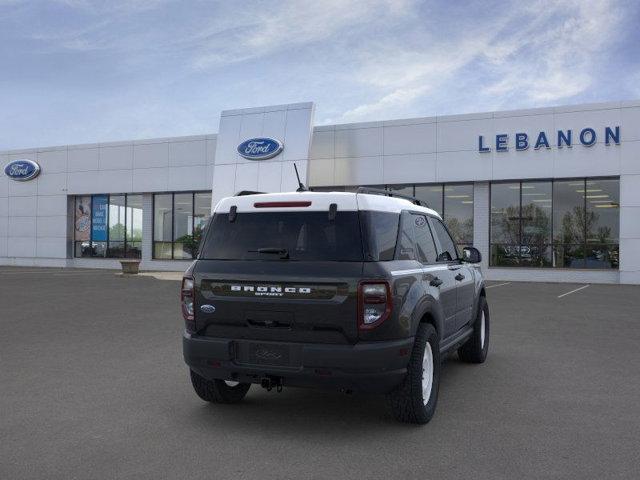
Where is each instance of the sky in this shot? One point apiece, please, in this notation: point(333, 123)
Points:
point(79, 71)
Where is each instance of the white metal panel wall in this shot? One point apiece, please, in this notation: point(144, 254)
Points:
point(290, 124)
point(35, 222)
point(445, 149)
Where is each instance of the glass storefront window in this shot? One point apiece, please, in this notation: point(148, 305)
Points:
point(134, 226)
point(117, 220)
point(454, 202)
point(569, 223)
point(162, 225)
point(603, 223)
point(82, 226)
point(505, 224)
point(108, 226)
point(535, 229)
point(183, 226)
point(431, 195)
point(564, 224)
point(458, 213)
point(179, 219)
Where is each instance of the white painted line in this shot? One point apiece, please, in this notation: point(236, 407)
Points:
point(498, 285)
point(573, 291)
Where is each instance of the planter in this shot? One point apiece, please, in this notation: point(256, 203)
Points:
point(130, 266)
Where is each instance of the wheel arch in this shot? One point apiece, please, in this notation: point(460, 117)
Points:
point(431, 316)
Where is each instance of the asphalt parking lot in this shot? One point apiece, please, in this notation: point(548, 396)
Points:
point(93, 386)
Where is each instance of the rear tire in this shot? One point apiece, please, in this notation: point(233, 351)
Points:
point(476, 348)
point(414, 401)
point(218, 391)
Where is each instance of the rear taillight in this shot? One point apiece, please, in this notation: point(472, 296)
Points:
point(374, 304)
point(186, 298)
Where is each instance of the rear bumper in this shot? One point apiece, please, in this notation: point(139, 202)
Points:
point(375, 367)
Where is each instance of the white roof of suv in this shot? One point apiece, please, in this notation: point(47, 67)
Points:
point(318, 201)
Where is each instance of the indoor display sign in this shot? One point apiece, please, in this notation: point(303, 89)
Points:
point(99, 218)
point(83, 219)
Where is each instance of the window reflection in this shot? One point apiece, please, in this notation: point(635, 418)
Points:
point(179, 219)
point(458, 213)
point(134, 226)
point(505, 224)
point(183, 225)
point(535, 243)
point(431, 195)
point(108, 226)
point(603, 223)
point(162, 225)
point(565, 224)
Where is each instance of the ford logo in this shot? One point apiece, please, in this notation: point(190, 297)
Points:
point(22, 170)
point(260, 148)
point(207, 308)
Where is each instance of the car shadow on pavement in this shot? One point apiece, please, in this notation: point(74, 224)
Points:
point(316, 412)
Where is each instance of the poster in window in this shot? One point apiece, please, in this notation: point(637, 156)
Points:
point(99, 218)
point(83, 219)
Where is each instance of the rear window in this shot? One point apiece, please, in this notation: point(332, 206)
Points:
point(309, 236)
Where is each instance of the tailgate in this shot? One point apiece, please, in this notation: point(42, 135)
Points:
point(285, 301)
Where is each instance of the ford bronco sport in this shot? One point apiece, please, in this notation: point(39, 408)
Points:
point(357, 291)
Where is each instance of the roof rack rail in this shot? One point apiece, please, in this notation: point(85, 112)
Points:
point(390, 193)
point(247, 192)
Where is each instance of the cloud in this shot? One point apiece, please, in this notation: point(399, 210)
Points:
point(262, 32)
point(121, 69)
point(542, 53)
point(555, 63)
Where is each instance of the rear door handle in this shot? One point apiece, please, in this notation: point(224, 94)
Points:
point(459, 277)
point(435, 282)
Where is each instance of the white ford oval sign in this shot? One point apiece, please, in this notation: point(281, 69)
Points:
point(260, 148)
point(22, 170)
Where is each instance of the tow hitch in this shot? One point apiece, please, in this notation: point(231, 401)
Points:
point(269, 383)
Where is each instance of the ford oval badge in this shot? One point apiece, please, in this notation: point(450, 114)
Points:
point(207, 308)
point(22, 170)
point(260, 148)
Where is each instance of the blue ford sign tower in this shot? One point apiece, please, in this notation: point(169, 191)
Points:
point(260, 148)
point(22, 170)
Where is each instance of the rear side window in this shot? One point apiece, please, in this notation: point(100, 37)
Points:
point(424, 239)
point(448, 250)
point(380, 230)
point(406, 240)
point(309, 236)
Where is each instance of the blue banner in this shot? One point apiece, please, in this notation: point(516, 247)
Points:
point(99, 218)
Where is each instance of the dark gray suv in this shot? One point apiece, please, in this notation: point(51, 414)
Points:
point(352, 291)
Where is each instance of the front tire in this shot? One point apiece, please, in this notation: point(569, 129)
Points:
point(414, 401)
point(476, 348)
point(218, 391)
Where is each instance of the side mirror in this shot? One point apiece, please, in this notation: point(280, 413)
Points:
point(471, 255)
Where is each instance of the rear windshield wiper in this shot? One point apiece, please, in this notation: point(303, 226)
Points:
point(283, 252)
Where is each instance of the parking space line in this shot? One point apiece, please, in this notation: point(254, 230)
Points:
point(573, 291)
point(498, 285)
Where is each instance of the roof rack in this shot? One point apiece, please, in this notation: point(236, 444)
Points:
point(390, 193)
point(247, 192)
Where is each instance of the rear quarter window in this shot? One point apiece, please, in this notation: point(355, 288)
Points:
point(380, 231)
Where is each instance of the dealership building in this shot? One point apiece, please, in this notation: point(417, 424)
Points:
point(548, 194)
